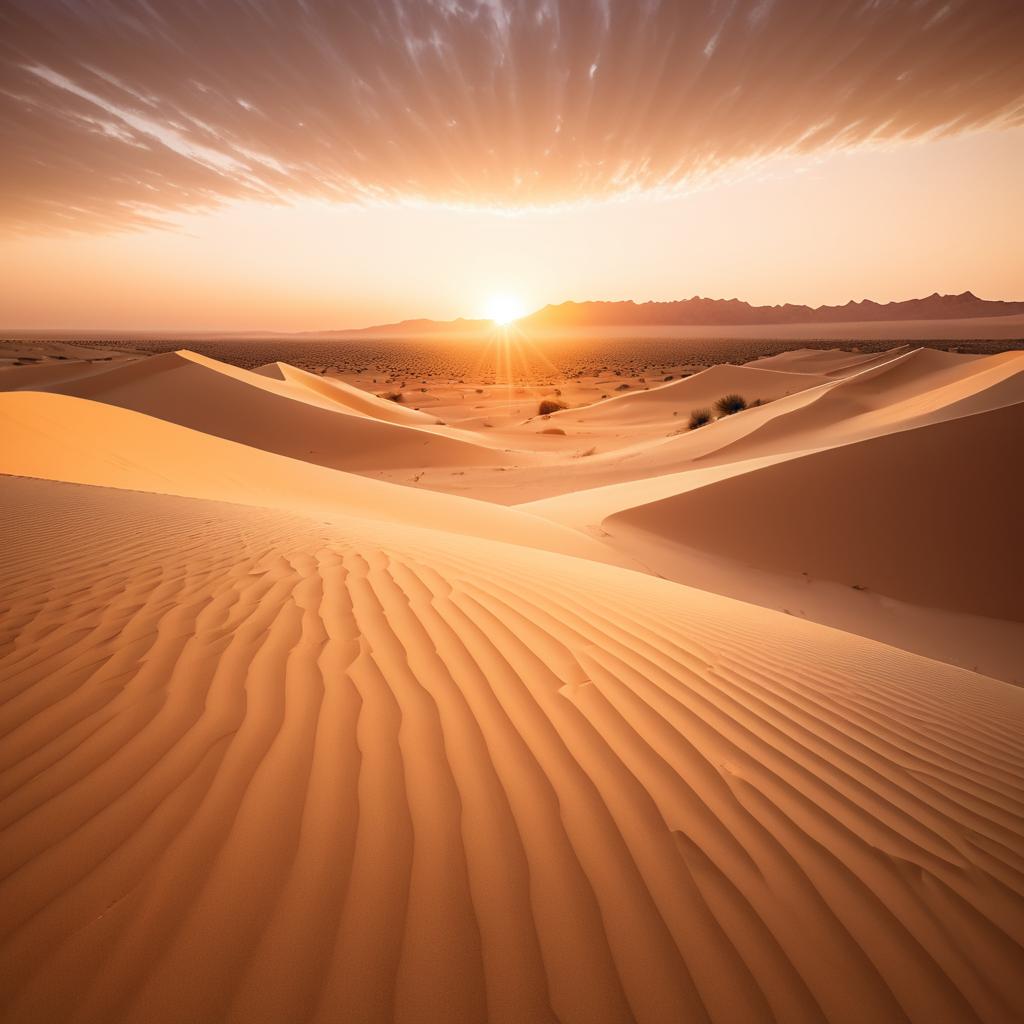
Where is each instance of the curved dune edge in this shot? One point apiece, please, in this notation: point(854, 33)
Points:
point(895, 393)
point(895, 480)
point(883, 396)
point(258, 767)
point(905, 392)
point(892, 514)
point(699, 389)
point(57, 437)
point(911, 390)
point(339, 393)
point(286, 417)
point(830, 362)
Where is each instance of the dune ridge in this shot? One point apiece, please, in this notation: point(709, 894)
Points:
point(911, 458)
point(279, 416)
point(56, 437)
point(700, 389)
point(337, 392)
point(881, 515)
point(913, 389)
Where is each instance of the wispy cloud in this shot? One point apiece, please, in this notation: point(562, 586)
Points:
point(115, 113)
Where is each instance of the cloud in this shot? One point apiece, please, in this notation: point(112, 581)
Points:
point(116, 113)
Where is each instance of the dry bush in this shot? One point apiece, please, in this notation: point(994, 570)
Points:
point(549, 405)
point(728, 404)
point(698, 417)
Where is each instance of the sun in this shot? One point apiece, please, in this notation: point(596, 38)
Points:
point(503, 309)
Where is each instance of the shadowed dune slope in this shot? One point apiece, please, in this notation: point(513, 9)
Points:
point(52, 373)
point(929, 515)
point(282, 417)
point(258, 767)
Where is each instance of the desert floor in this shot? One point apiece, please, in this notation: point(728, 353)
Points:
point(369, 693)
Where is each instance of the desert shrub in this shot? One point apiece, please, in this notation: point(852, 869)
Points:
point(549, 405)
point(698, 417)
point(728, 404)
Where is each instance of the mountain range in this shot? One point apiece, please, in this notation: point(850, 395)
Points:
point(698, 311)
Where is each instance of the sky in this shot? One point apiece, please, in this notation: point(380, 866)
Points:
point(258, 165)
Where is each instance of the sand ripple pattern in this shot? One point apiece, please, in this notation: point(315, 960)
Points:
point(257, 767)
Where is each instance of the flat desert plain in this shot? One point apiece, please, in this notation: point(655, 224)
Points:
point(379, 695)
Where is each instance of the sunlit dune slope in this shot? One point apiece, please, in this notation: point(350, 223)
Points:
point(286, 417)
point(910, 390)
point(830, 362)
point(57, 437)
point(701, 390)
point(309, 387)
point(632, 461)
point(903, 391)
point(259, 767)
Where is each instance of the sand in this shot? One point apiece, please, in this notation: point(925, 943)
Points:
point(290, 735)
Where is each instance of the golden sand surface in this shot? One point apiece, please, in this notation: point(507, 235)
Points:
point(322, 706)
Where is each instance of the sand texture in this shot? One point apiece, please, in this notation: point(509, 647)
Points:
point(315, 709)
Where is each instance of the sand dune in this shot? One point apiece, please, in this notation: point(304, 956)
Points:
point(305, 386)
point(286, 743)
point(928, 515)
point(56, 437)
point(361, 774)
point(911, 519)
point(279, 416)
point(911, 390)
point(49, 374)
point(825, 361)
point(701, 390)
point(907, 390)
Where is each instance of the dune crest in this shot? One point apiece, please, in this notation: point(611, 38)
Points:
point(882, 515)
point(278, 416)
point(56, 437)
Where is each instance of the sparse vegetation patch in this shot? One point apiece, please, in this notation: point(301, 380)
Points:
point(698, 417)
point(550, 405)
point(728, 404)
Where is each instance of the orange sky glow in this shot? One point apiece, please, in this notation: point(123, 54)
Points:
point(211, 169)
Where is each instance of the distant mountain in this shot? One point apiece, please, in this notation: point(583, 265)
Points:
point(701, 312)
point(733, 312)
point(421, 326)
